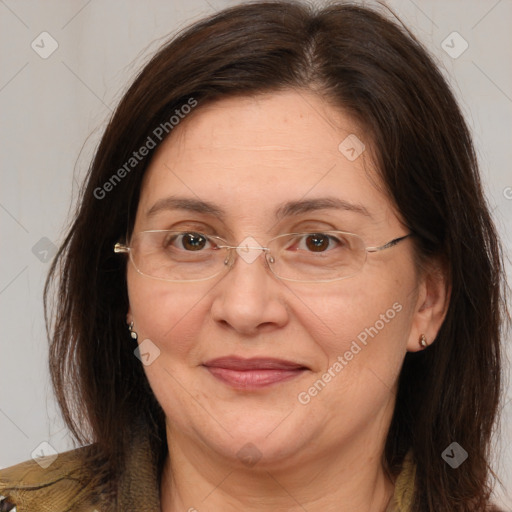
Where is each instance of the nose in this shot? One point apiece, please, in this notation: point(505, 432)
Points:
point(249, 298)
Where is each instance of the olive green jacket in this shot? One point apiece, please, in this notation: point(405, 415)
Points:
point(64, 486)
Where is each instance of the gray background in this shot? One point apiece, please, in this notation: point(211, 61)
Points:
point(54, 110)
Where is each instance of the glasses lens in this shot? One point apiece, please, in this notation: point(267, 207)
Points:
point(319, 256)
point(177, 255)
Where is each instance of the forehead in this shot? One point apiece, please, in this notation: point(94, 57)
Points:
point(283, 123)
point(272, 147)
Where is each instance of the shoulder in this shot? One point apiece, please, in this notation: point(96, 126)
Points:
point(57, 484)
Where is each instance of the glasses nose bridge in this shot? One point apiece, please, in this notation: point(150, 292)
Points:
point(248, 253)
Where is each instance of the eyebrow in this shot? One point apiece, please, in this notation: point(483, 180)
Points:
point(188, 204)
point(322, 203)
point(287, 209)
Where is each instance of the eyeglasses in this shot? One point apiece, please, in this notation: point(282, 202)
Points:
point(187, 256)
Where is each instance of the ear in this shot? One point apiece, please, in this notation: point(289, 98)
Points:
point(129, 317)
point(432, 304)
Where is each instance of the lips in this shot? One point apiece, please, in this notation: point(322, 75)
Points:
point(256, 363)
point(253, 373)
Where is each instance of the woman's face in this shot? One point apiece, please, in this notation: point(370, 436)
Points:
point(249, 157)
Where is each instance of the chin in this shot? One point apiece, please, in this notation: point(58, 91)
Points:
point(259, 441)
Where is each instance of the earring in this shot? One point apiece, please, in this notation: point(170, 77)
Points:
point(133, 334)
point(423, 341)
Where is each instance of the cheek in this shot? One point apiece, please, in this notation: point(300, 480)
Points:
point(166, 313)
point(352, 314)
point(362, 331)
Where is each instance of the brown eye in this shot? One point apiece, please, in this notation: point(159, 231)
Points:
point(193, 241)
point(317, 242)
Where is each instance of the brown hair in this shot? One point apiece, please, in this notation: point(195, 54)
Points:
point(374, 69)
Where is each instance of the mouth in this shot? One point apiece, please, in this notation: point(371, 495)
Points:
point(253, 373)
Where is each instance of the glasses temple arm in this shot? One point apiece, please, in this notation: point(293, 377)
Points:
point(392, 243)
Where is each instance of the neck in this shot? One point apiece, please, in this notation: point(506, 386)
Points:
point(349, 479)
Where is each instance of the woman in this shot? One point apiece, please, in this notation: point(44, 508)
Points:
point(283, 288)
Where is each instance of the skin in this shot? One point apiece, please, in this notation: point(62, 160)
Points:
point(249, 155)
